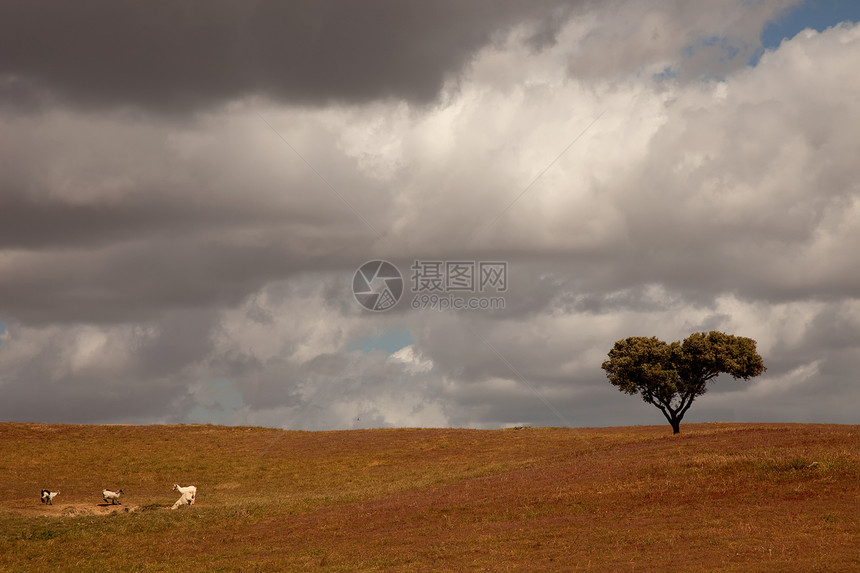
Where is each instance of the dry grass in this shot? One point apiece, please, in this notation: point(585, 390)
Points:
point(728, 497)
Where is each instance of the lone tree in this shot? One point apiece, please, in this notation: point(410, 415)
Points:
point(671, 376)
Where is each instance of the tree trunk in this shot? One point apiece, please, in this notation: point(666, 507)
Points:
point(673, 417)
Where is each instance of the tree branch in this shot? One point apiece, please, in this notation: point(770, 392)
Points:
point(665, 413)
point(687, 407)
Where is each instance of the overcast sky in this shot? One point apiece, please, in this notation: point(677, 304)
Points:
point(187, 190)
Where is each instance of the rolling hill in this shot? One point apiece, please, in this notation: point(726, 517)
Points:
point(728, 497)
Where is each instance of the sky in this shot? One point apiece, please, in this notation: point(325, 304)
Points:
point(188, 191)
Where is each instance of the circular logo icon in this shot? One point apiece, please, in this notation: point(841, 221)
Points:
point(377, 285)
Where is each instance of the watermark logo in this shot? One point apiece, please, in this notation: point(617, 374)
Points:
point(377, 285)
point(435, 284)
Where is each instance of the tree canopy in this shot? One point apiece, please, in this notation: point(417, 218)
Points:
point(671, 375)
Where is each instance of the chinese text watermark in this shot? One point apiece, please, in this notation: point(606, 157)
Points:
point(435, 284)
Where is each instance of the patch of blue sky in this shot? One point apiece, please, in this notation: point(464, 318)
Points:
point(722, 47)
point(389, 342)
point(817, 15)
point(729, 51)
point(221, 400)
point(668, 73)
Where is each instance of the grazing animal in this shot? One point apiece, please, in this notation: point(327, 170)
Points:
point(112, 497)
point(187, 495)
point(48, 496)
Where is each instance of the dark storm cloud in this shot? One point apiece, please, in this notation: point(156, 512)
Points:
point(106, 219)
point(96, 374)
point(183, 55)
point(140, 281)
point(34, 223)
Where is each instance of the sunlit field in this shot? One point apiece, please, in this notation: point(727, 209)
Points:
point(728, 497)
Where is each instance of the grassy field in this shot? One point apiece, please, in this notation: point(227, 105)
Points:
point(727, 497)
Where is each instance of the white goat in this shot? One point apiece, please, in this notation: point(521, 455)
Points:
point(187, 495)
point(112, 497)
point(48, 496)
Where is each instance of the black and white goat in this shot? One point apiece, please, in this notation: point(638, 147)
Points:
point(48, 496)
point(187, 495)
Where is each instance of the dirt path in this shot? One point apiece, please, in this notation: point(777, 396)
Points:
point(68, 509)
